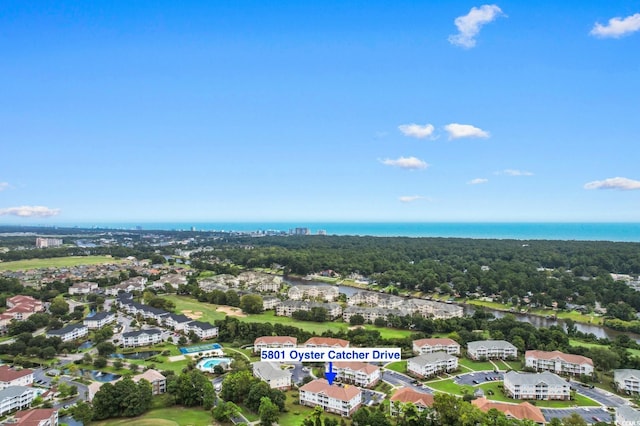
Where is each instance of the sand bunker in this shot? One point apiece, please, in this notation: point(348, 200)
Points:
point(193, 315)
point(230, 310)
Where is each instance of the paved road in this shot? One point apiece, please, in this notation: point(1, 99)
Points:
point(588, 414)
point(603, 397)
point(478, 378)
point(398, 379)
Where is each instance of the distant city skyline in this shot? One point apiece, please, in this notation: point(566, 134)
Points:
point(319, 112)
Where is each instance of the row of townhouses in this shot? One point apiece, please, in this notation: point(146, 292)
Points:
point(252, 281)
point(19, 308)
point(328, 293)
point(178, 322)
point(288, 307)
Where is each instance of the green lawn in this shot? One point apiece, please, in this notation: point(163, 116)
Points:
point(399, 366)
point(449, 386)
point(389, 333)
point(476, 365)
point(173, 416)
point(56, 262)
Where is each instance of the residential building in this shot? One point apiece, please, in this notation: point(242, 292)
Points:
point(203, 330)
point(627, 380)
point(36, 417)
point(288, 307)
point(272, 374)
point(627, 416)
point(428, 365)
point(157, 380)
point(372, 314)
point(176, 321)
point(84, 287)
point(19, 308)
point(559, 362)
point(269, 342)
point(11, 377)
point(342, 400)
point(16, 398)
point(48, 242)
point(132, 284)
point(491, 349)
point(270, 302)
point(34, 305)
point(357, 373)
point(328, 293)
point(544, 386)
point(426, 308)
point(326, 342)
point(99, 320)
point(427, 346)
point(522, 411)
point(141, 338)
point(405, 395)
point(70, 332)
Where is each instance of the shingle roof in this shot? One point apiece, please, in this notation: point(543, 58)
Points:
point(431, 358)
point(67, 329)
point(327, 341)
point(269, 371)
point(269, 340)
point(8, 374)
point(435, 341)
point(357, 366)
point(407, 394)
point(574, 359)
point(141, 332)
point(499, 344)
point(534, 378)
point(518, 411)
point(341, 393)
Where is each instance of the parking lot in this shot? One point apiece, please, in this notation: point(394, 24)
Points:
point(397, 379)
point(603, 397)
point(588, 414)
point(478, 378)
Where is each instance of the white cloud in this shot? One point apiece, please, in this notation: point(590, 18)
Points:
point(617, 27)
point(411, 198)
point(457, 131)
point(514, 172)
point(477, 181)
point(410, 163)
point(470, 24)
point(417, 131)
point(29, 211)
point(614, 183)
point(3, 186)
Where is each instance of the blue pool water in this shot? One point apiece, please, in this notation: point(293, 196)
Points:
point(207, 364)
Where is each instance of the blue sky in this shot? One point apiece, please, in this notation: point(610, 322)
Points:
point(319, 111)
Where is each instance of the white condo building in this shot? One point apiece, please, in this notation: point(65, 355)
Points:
point(627, 380)
point(559, 362)
point(272, 374)
point(342, 400)
point(357, 373)
point(491, 349)
point(543, 386)
point(427, 346)
point(428, 365)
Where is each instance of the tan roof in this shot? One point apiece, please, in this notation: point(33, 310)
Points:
point(342, 393)
point(269, 340)
point(406, 395)
point(8, 374)
point(150, 376)
point(517, 411)
point(435, 341)
point(574, 359)
point(327, 341)
point(357, 366)
point(33, 417)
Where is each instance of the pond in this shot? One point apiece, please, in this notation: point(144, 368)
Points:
point(86, 345)
point(136, 355)
point(98, 376)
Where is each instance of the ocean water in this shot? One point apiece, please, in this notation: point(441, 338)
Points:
point(510, 230)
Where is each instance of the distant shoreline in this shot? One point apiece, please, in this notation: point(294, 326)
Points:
point(522, 231)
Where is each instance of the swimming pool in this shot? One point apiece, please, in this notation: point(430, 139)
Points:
point(207, 364)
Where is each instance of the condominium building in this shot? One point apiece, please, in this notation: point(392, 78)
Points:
point(372, 314)
point(11, 377)
point(543, 386)
point(270, 342)
point(203, 330)
point(328, 293)
point(559, 362)
point(342, 400)
point(405, 395)
point(141, 338)
point(84, 287)
point(272, 374)
point(427, 346)
point(16, 398)
point(357, 373)
point(36, 417)
point(627, 416)
point(48, 242)
point(428, 365)
point(70, 332)
point(288, 307)
point(491, 349)
point(326, 342)
point(99, 320)
point(522, 411)
point(627, 380)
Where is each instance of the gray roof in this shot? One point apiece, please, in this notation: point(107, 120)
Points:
point(427, 359)
point(498, 344)
point(269, 371)
point(201, 325)
point(535, 378)
point(100, 316)
point(14, 391)
point(141, 332)
point(380, 311)
point(65, 330)
point(629, 414)
point(623, 374)
point(179, 318)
